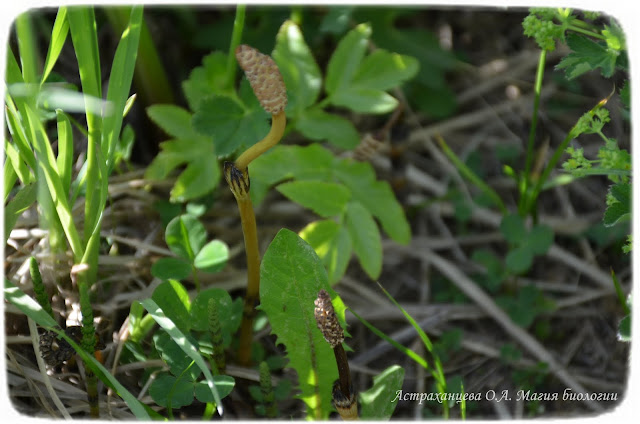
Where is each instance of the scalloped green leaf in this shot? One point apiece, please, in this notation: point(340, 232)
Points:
point(199, 178)
point(207, 79)
point(299, 69)
point(291, 275)
point(346, 58)
point(174, 120)
point(332, 243)
point(325, 199)
point(315, 124)
point(379, 402)
point(365, 237)
point(174, 357)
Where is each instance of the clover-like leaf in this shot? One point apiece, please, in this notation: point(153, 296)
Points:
point(519, 259)
point(513, 229)
point(171, 268)
point(185, 235)
point(206, 80)
point(169, 390)
point(212, 257)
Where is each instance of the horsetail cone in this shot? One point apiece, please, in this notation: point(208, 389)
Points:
point(265, 78)
point(327, 321)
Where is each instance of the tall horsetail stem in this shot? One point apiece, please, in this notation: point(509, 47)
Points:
point(267, 84)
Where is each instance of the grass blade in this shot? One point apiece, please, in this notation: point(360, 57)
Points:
point(410, 353)
point(65, 149)
point(47, 160)
point(58, 37)
point(120, 83)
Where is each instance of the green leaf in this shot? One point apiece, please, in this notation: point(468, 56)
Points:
point(120, 79)
point(224, 384)
point(622, 193)
point(169, 390)
point(179, 364)
point(376, 196)
point(58, 37)
point(33, 310)
point(230, 125)
point(365, 238)
point(212, 257)
point(587, 55)
point(65, 149)
point(624, 329)
point(316, 124)
point(379, 402)
point(291, 275)
point(171, 268)
point(616, 212)
point(24, 198)
point(364, 100)
point(199, 178)
point(187, 347)
point(206, 80)
point(513, 229)
point(540, 239)
point(382, 70)
point(332, 244)
point(299, 69)
point(174, 120)
point(226, 309)
point(185, 236)
point(519, 259)
point(346, 59)
point(493, 265)
point(173, 298)
point(325, 199)
point(283, 162)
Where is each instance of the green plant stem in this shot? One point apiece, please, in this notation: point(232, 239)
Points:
point(524, 202)
point(236, 36)
point(619, 293)
point(470, 175)
point(586, 32)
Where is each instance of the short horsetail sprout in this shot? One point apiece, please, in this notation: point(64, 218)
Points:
point(344, 399)
point(216, 336)
point(38, 287)
point(267, 84)
point(268, 396)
